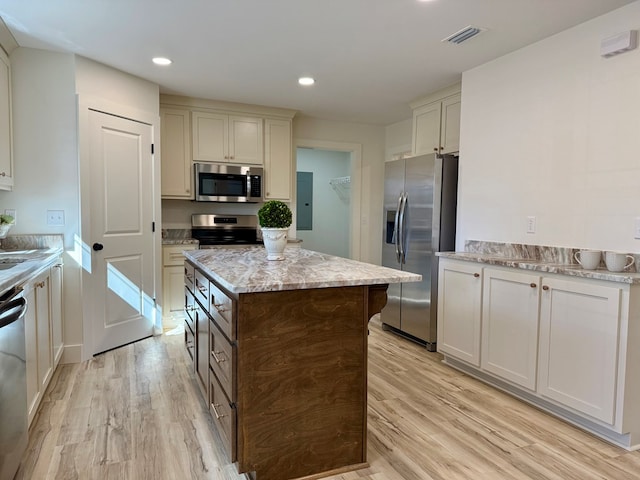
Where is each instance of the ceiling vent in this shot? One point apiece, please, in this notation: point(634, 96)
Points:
point(463, 35)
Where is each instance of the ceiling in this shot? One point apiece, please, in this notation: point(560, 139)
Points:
point(370, 58)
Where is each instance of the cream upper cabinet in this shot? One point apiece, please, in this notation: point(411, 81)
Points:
point(227, 138)
point(175, 139)
point(510, 325)
point(436, 123)
point(277, 159)
point(459, 310)
point(579, 341)
point(6, 141)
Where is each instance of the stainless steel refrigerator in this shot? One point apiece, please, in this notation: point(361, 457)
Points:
point(420, 196)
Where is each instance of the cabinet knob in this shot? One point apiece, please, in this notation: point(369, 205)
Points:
point(476, 275)
point(532, 285)
point(3, 174)
point(545, 287)
point(435, 149)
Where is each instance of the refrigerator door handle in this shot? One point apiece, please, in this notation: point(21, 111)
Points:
point(396, 225)
point(401, 228)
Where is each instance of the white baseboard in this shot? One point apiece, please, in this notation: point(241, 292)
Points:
point(72, 354)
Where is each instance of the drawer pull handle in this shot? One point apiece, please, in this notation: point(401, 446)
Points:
point(545, 287)
point(532, 285)
point(201, 288)
point(189, 308)
point(216, 358)
point(476, 275)
point(215, 411)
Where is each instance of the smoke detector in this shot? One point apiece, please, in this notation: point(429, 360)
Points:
point(463, 35)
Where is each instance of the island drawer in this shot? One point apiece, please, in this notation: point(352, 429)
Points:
point(224, 417)
point(189, 308)
point(201, 285)
point(189, 275)
point(222, 359)
point(189, 340)
point(222, 309)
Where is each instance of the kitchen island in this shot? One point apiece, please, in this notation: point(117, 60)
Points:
point(280, 352)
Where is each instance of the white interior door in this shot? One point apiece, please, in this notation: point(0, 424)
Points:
point(121, 230)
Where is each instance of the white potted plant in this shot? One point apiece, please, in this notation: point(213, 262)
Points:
point(274, 218)
point(6, 222)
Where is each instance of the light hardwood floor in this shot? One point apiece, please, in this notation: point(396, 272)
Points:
point(136, 413)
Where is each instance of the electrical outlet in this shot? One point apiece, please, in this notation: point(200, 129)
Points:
point(531, 224)
point(636, 230)
point(12, 212)
point(55, 218)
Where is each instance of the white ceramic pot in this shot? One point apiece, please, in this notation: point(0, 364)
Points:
point(275, 240)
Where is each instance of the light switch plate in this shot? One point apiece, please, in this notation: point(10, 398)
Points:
point(636, 228)
point(531, 224)
point(55, 218)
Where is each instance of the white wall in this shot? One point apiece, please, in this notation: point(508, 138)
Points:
point(372, 139)
point(45, 142)
point(331, 214)
point(553, 131)
point(46, 163)
point(398, 138)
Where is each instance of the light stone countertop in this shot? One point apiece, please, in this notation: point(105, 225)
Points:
point(35, 260)
point(247, 270)
point(543, 265)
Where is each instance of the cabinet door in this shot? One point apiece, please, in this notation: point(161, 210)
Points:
point(245, 140)
point(31, 343)
point(42, 288)
point(426, 128)
point(210, 137)
point(277, 159)
point(6, 151)
point(459, 310)
point(450, 125)
point(175, 139)
point(56, 312)
point(579, 326)
point(173, 290)
point(510, 302)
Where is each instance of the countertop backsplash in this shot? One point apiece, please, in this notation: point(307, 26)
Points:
point(544, 253)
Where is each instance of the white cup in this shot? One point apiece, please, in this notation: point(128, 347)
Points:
point(617, 262)
point(589, 259)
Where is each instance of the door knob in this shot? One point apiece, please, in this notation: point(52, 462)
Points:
point(97, 247)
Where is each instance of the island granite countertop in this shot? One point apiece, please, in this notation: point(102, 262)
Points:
point(247, 270)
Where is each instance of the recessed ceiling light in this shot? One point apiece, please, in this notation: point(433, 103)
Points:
point(306, 81)
point(161, 61)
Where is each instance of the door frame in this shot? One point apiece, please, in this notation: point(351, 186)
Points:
point(355, 149)
point(82, 246)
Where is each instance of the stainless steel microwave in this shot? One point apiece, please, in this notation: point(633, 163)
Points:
point(228, 183)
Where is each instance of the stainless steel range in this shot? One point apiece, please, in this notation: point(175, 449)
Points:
point(215, 230)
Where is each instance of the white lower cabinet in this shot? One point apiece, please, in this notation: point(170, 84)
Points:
point(459, 310)
point(57, 332)
point(579, 332)
point(173, 282)
point(43, 332)
point(38, 340)
point(567, 344)
point(510, 306)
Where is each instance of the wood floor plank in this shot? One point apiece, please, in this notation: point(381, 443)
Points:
point(136, 413)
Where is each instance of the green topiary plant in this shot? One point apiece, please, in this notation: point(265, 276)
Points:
point(274, 214)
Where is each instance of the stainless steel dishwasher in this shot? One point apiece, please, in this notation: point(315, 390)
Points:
point(13, 383)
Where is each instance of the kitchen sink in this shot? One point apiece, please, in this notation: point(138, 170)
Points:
point(7, 263)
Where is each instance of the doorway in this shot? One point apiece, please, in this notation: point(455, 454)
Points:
point(323, 210)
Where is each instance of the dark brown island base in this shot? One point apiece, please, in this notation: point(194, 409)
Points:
point(280, 352)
